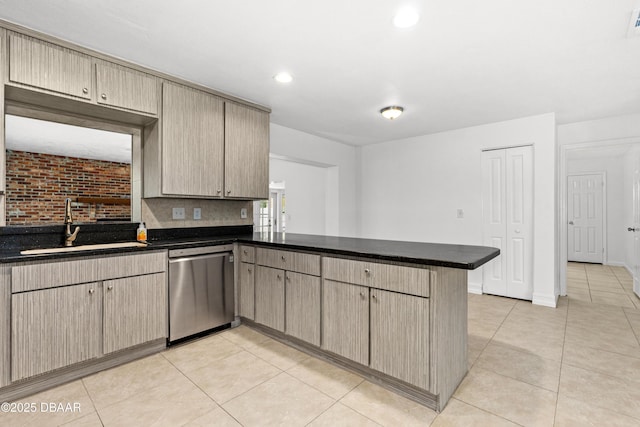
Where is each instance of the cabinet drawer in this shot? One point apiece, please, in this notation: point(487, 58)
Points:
point(247, 254)
point(49, 275)
point(288, 260)
point(407, 280)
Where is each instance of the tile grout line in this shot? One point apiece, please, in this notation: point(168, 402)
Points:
point(95, 408)
point(564, 342)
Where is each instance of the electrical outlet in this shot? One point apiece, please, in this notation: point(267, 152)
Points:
point(460, 213)
point(178, 213)
point(197, 213)
point(243, 213)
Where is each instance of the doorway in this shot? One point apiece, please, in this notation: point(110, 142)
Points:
point(615, 161)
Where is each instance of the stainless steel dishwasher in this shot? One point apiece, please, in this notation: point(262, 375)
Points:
point(200, 290)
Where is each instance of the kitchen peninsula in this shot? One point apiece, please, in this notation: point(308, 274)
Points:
point(394, 312)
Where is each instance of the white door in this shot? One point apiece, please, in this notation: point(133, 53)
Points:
point(508, 221)
point(635, 228)
point(585, 215)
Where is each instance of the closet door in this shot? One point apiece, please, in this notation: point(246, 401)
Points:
point(508, 221)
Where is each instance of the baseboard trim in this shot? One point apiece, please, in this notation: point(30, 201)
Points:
point(474, 288)
point(545, 300)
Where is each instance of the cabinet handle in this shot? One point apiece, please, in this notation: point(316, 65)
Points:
point(245, 252)
point(228, 191)
point(91, 291)
point(367, 271)
point(288, 279)
point(361, 294)
point(85, 90)
point(103, 96)
point(283, 259)
point(219, 191)
point(249, 270)
point(110, 287)
point(374, 297)
point(278, 276)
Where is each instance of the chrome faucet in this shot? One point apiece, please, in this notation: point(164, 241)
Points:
point(68, 220)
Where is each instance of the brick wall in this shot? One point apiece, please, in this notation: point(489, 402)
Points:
point(38, 184)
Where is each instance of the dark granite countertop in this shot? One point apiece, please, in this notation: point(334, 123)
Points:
point(446, 255)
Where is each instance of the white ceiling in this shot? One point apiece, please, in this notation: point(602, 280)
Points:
point(466, 63)
point(38, 136)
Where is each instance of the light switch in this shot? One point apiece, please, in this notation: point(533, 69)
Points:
point(178, 213)
point(197, 213)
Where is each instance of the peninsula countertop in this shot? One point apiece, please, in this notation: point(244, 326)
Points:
point(467, 257)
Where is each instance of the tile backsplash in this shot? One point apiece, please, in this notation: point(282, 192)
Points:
point(158, 213)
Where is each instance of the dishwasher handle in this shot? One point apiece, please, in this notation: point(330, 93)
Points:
point(197, 257)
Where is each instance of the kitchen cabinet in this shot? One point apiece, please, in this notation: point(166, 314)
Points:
point(246, 154)
point(246, 294)
point(50, 67)
point(302, 313)
point(400, 336)
point(68, 311)
point(345, 320)
point(122, 87)
point(192, 141)
point(134, 311)
point(53, 328)
point(269, 300)
point(62, 71)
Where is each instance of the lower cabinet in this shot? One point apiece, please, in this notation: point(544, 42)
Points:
point(400, 336)
point(57, 327)
point(134, 311)
point(302, 295)
point(53, 328)
point(246, 293)
point(269, 301)
point(345, 320)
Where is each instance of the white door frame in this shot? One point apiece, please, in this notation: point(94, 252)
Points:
point(605, 245)
point(562, 196)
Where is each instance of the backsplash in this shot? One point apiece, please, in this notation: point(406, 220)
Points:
point(157, 213)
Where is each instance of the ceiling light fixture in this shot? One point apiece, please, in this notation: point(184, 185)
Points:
point(392, 112)
point(406, 18)
point(283, 77)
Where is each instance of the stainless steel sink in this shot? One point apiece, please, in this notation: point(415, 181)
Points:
point(84, 248)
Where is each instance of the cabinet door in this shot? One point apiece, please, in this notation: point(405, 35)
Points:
point(345, 320)
point(123, 87)
point(54, 328)
point(47, 66)
point(246, 154)
point(303, 307)
point(135, 311)
point(270, 297)
point(400, 336)
point(247, 291)
point(192, 142)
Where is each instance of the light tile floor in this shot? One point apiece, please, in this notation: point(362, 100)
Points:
point(575, 365)
point(601, 284)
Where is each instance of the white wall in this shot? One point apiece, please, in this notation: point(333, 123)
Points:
point(306, 189)
point(614, 168)
point(411, 189)
point(341, 163)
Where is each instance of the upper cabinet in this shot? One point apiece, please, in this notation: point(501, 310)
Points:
point(50, 67)
point(246, 154)
point(122, 87)
point(55, 69)
point(192, 142)
point(206, 148)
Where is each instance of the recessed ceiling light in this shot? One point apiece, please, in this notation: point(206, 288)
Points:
point(283, 77)
point(406, 18)
point(392, 112)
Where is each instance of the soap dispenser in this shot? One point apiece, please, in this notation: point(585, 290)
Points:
point(142, 233)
